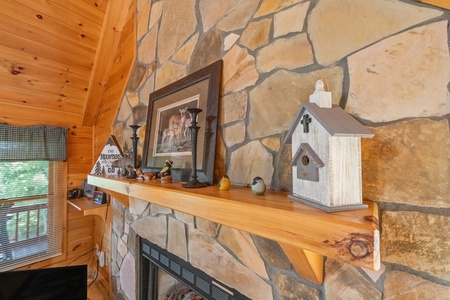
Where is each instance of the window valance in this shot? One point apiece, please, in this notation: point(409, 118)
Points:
point(33, 143)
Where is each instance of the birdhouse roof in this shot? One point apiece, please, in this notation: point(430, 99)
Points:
point(335, 120)
point(305, 147)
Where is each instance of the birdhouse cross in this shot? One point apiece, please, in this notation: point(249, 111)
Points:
point(305, 122)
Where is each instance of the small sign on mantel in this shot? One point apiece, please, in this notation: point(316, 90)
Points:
point(110, 153)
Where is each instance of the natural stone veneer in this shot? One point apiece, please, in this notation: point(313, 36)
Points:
point(408, 162)
point(423, 94)
point(290, 20)
point(250, 161)
point(178, 23)
point(233, 107)
point(338, 28)
point(155, 14)
point(128, 274)
point(145, 228)
point(169, 72)
point(207, 51)
point(400, 285)
point(343, 281)
point(239, 17)
point(417, 240)
point(176, 238)
point(291, 289)
point(286, 53)
point(231, 14)
point(147, 49)
point(184, 54)
point(239, 70)
point(275, 101)
point(273, 6)
point(256, 34)
point(234, 134)
point(207, 227)
point(241, 244)
point(137, 206)
point(272, 253)
point(206, 254)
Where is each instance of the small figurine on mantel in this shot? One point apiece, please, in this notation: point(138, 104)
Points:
point(224, 183)
point(124, 163)
point(141, 175)
point(165, 173)
point(258, 186)
point(321, 95)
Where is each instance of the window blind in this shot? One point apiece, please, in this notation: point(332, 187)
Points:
point(32, 194)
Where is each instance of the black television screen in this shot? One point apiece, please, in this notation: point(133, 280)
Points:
point(68, 283)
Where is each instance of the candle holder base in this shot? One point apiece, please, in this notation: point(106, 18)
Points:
point(194, 183)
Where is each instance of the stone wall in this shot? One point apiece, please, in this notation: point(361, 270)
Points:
point(386, 62)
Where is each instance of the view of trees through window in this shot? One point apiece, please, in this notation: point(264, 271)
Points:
point(24, 189)
point(24, 178)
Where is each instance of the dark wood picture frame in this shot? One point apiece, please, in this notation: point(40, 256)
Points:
point(167, 134)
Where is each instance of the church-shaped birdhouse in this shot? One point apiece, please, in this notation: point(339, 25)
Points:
point(326, 155)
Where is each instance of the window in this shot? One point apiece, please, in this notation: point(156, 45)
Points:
point(32, 196)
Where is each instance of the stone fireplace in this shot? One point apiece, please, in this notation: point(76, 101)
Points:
point(210, 230)
point(167, 276)
point(392, 75)
point(227, 256)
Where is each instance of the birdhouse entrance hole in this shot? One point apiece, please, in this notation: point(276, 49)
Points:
point(305, 160)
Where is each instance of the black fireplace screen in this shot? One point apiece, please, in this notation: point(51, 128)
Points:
point(154, 257)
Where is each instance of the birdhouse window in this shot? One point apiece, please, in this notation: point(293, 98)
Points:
point(307, 162)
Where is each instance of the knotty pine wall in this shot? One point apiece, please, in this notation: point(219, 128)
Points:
point(117, 82)
point(111, 102)
point(80, 229)
point(84, 145)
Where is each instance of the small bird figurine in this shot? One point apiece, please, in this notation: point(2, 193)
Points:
point(165, 171)
point(258, 186)
point(224, 183)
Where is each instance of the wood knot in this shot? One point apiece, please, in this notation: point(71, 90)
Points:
point(358, 248)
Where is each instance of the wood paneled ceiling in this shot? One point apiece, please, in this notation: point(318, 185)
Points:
point(55, 59)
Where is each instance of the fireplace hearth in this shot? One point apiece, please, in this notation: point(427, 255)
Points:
point(155, 259)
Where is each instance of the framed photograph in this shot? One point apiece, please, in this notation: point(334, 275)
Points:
point(99, 197)
point(167, 133)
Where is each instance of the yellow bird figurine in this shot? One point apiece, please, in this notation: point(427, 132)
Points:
point(224, 183)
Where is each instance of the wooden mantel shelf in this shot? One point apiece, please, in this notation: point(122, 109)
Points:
point(305, 233)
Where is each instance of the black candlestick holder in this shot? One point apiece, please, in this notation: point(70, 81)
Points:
point(194, 183)
point(134, 139)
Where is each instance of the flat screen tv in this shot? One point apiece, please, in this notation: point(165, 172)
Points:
point(68, 283)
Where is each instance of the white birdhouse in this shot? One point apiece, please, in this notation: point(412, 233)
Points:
point(326, 158)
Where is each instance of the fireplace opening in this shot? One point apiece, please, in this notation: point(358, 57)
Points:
point(164, 276)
